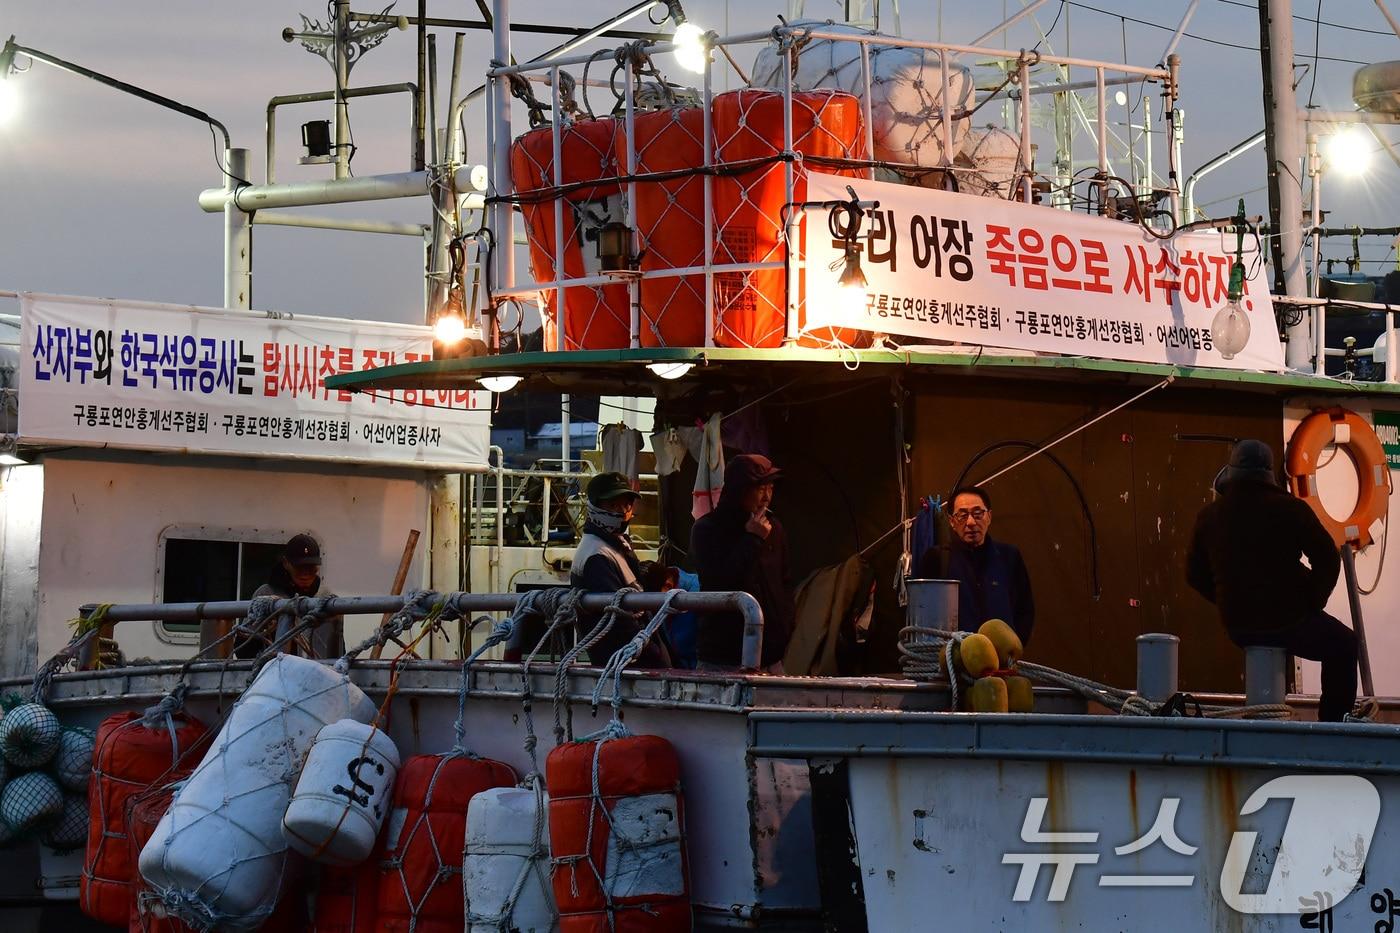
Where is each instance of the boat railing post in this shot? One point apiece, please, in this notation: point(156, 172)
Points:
point(238, 235)
point(1314, 166)
point(865, 101)
point(947, 113)
point(1102, 133)
point(1391, 354)
point(560, 314)
point(1023, 78)
point(502, 187)
point(793, 233)
point(634, 291)
point(707, 148)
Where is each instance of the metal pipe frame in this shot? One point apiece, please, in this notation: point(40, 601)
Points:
point(1189, 189)
point(277, 219)
point(327, 191)
point(707, 150)
point(461, 603)
point(314, 96)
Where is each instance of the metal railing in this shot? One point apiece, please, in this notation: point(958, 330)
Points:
point(462, 604)
point(499, 137)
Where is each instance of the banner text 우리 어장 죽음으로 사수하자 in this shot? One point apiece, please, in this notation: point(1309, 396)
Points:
point(973, 270)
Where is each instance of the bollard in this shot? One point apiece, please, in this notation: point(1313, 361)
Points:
point(1265, 675)
point(1157, 666)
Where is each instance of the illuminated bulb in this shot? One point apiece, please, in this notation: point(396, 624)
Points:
point(690, 53)
point(450, 329)
point(9, 100)
point(1230, 329)
point(498, 384)
point(851, 297)
point(670, 370)
point(1349, 152)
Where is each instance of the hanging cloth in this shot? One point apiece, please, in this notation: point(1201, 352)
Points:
point(670, 451)
point(709, 474)
point(620, 447)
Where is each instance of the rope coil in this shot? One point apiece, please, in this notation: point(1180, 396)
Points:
point(930, 659)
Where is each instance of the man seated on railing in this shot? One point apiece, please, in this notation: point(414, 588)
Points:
point(606, 562)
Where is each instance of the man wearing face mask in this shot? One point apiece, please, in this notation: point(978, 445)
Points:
point(992, 579)
point(742, 546)
point(606, 562)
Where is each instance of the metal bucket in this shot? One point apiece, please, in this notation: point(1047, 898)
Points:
point(932, 604)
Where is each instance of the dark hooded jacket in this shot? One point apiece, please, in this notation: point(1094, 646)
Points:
point(1245, 557)
point(730, 558)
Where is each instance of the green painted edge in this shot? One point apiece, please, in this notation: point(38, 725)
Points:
point(436, 371)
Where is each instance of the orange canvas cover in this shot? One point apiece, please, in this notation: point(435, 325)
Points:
point(128, 758)
point(597, 317)
point(420, 874)
point(641, 768)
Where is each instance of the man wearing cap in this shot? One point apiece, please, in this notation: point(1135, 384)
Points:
point(298, 573)
point(606, 562)
point(742, 546)
point(1246, 557)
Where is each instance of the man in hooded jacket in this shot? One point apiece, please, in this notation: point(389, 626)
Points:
point(1245, 557)
point(742, 546)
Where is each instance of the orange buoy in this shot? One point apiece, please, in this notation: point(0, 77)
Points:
point(596, 317)
point(616, 833)
point(420, 874)
point(1350, 432)
point(129, 756)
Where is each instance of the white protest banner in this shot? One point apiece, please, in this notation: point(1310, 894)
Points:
point(167, 377)
point(973, 270)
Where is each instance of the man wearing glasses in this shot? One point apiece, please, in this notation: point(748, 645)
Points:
point(992, 578)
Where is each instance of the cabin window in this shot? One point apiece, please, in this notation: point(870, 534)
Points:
point(206, 569)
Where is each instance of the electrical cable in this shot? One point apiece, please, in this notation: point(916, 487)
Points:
point(1299, 16)
point(1198, 38)
point(1317, 47)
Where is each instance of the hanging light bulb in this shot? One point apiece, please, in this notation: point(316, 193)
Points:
point(498, 384)
point(670, 370)
point(852, 298)
point(691, 53)
point(1230, 329)
point(450, 328)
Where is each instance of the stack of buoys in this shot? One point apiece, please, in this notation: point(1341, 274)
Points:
point(989, 659)
point(420, 873)
point(44, 769)
point(133, 756)
point(616, 831)
point(218, 858)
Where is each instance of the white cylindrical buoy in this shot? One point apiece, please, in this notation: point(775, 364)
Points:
point(217, 858)
point(345, 790)
point(507, 838)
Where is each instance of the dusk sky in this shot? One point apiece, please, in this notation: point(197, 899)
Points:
point(98, 189)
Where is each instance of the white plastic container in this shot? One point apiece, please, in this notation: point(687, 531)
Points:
point(218, 856)
point(501, 845)
point(345, 790)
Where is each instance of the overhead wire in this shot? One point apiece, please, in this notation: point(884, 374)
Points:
point(1299, 16)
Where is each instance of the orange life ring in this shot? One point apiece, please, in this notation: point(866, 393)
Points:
point(1347, 429)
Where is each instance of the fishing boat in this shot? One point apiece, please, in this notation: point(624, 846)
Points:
point(835, 266)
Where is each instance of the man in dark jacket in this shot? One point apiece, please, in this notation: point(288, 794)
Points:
point(1245, 557)
point(741, 546)
point(298, 573)
point(993, 582)
point(606, 562)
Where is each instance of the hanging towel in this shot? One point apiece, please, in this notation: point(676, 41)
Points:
point(620, 446)
point(670, 451)
point(709, 474)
